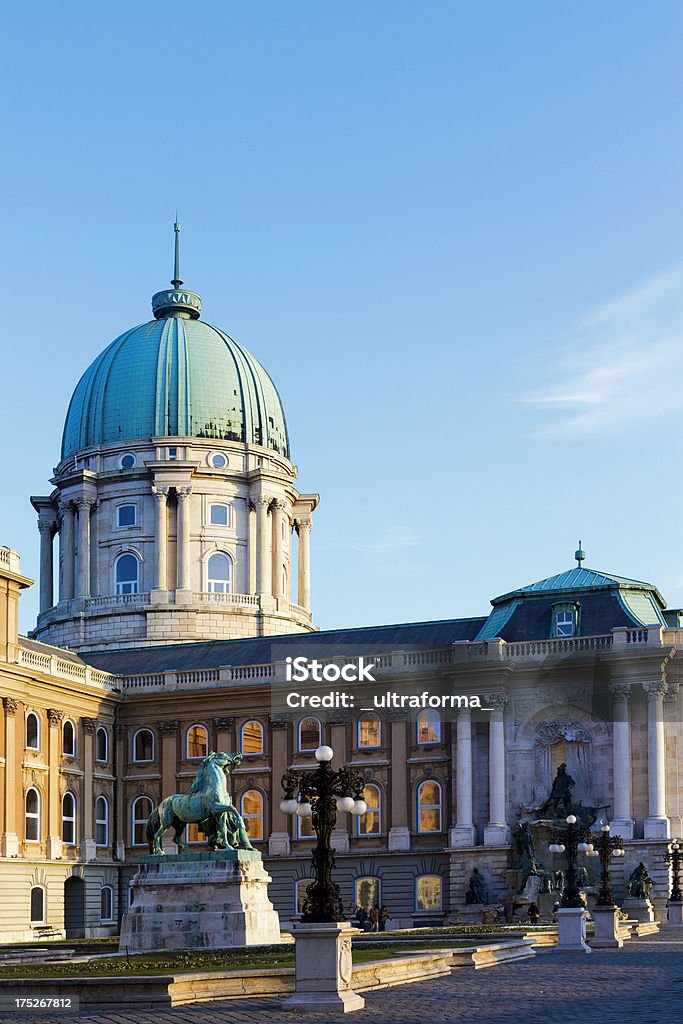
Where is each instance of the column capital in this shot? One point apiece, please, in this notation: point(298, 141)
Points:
point(498, 700)
point(120, 731)
point(671, 693)
point(54, 716)
point(183, 493)
point(620, 691)
point(279, 504)
point(46, 527)
point(160, 493)
point(224, 722)
point(65, 507)
point(303, 524)
point(83, 502)
point(261, 501)
point(10, 705)
point(89, 725)
point(654, 688)
point(169, 728)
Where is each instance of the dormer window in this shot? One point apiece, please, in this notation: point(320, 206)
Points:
point(565, 620)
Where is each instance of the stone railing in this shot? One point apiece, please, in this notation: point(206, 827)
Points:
point(116, 599)
point(208, 597)
point(73, 670)
point(10, 559)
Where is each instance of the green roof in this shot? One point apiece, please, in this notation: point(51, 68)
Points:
point(175, 377)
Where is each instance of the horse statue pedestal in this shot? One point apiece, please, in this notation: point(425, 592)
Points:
point(200, 900)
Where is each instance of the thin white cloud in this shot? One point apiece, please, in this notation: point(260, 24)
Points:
point(391, 542)
point(623, 365)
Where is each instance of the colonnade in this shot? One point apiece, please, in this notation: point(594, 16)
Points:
point(267, 518)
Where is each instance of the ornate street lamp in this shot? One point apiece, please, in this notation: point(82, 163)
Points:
point(321, 792)
point(571, 840)
point(606, 846)
point(674, 858)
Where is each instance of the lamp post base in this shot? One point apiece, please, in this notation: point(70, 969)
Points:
point(571, 937)
point(324, 969)
point(675, 918)
point(606, 920)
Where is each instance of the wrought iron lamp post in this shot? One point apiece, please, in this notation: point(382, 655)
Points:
point(321, 792)
point(605, 847)
point(674, 858)
point(571, 840)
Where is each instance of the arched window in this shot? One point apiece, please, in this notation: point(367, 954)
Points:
point(428, 892)
point(429, 727)
point(252, 738)
point(369, 731)
point(32, 806)
point(300, 887)
point(102, 745)
point(106, 904)
point(197, 741)
point(368, 893)
point(310, 734)
point(32, 731)
point(252, 812)
point(142, 808)
point(429, 806)
point(127, 574)
point(102, 821)
point(37, 905)
point(370, 823)
point(219, 574)
point(69, 819)
point(143, 745)
point(68, 739)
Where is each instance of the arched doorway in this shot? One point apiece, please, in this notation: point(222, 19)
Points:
point(74, 908)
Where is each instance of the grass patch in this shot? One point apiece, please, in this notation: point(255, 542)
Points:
point(188, 961)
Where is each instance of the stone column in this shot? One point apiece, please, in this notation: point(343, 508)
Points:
point(9, 842)
point(183, 545)
point(169, 768)
point(84, 506)
point(46, 530)
point(622, 820)
point(262, 547)
point(88, 845)
point(399, 831)
point(54, 809)
point(160, 581)
point(251, 552)
point(278, 508)
point(303, 528)
point(497, 831)
point(463, 834)
point(279, 843)
point(94, 550)
point(656, 823)
point(122, 820)
point(66, 541)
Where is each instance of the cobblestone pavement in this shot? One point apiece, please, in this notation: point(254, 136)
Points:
point(642, 984)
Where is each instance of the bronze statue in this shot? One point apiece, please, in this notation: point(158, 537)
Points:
point(640, 883)
point(560, 794)
point(559, 880)
point(478, 890)
point(524, 852)
point(207, 804)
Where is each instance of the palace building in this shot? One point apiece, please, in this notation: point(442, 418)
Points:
point(175, 579)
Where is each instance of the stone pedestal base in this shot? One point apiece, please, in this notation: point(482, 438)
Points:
point(399, 837)
point(462, 835)
point(200, 901)
point(639, 910)
point(278, 844)
point(88, 849)
point(622, 827)
point(339, 840)
point(606, 920)
point(53, 848)
point(571, 937)
point(324, 970)
point(656, 828)
point(496, 835)
point(9, 845)
point(675, 918)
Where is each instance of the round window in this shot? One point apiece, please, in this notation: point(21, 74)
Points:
point(218, 460)
point(127, 461)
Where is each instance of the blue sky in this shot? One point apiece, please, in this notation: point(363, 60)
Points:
point(451, 232)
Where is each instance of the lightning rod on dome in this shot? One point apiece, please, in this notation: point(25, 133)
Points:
point(580, 555)
point(176, 282)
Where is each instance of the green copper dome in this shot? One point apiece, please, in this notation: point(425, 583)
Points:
point(175, 377)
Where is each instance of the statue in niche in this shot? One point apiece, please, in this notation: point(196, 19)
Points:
point(478, 890)
point(640, 883)
point(560, 799)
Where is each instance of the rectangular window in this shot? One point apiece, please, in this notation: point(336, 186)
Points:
point(172, 454)
point(126, 515)
point(564, 624)
point(219, 515)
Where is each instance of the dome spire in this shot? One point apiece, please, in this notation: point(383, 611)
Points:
point(178, 302)
point(176, 281)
